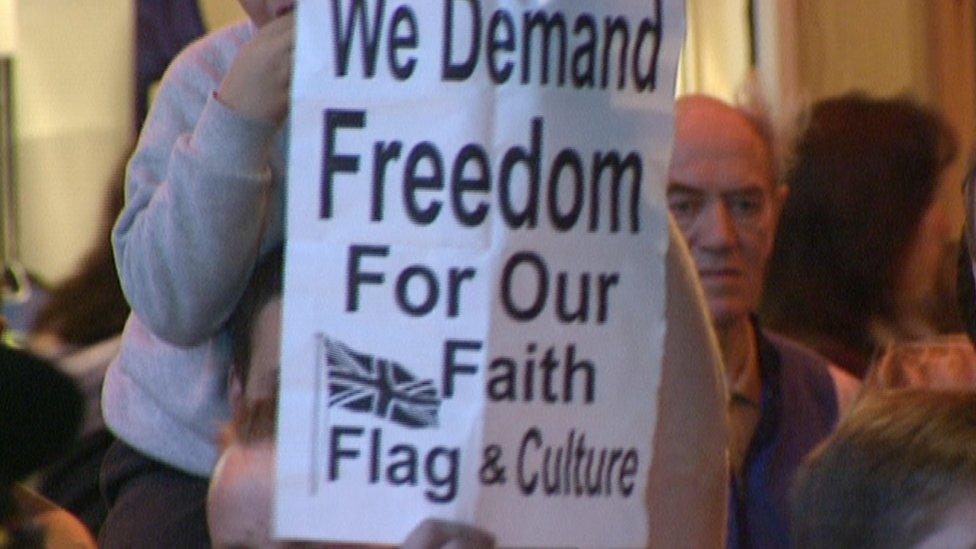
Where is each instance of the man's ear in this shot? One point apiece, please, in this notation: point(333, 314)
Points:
point(779, 197)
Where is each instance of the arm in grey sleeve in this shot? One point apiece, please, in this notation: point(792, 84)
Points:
point(197, 193)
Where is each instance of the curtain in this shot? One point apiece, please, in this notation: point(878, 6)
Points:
point(952, 61)
point(715, 58)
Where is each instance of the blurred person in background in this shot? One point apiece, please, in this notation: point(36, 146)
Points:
point(865, 252)
point(941, 362)
point(900, 472)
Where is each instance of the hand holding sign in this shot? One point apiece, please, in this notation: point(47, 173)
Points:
point(447, 535)
point(258, 83)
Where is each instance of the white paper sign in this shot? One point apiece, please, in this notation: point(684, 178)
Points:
point(474, 289)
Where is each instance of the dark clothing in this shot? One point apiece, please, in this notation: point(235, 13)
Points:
point(798, 410)
point(72, 482)
point(151, 504)
point(163, 29)
point(855, 361)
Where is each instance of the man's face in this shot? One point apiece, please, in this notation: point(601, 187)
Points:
point(262, 11)
point(723, 197)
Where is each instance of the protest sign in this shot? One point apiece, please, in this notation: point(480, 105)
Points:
point(474, 287)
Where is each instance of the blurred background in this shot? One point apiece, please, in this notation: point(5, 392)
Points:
point(81, 73)
point(74, 74)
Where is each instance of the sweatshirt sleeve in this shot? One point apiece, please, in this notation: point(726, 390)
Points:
point(197, 198)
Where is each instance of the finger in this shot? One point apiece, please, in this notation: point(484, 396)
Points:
point(436, 534)
point(429, 533)
point(283, 25)
point(474, 538)
point(470, 538)
point(467, 544)
point(282, 41)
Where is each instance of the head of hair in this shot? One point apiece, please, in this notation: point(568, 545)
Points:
point(751, 106)
point(265, 285)
point(89, 305)
point(889, 474)
point(751, 102)
point(862, 174)
point(940, 362)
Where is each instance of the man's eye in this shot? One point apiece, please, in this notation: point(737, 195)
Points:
point(745, 206)
point(684, 206)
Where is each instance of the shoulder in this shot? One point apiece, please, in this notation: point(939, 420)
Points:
point(815, 371)
point(848, 388)
point(794, 354)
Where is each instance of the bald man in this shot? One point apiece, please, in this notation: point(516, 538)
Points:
point(725, 196)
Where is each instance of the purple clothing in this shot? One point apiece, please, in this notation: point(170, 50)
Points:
point(163, 29)
point(798, 410)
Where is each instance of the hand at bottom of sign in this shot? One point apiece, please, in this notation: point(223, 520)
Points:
point(441, 534)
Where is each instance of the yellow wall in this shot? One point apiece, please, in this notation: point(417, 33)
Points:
point(218, 13)
point(73, 96)
point(875, 45)
point(715, 58)
point(73, 86)
point(73, 89)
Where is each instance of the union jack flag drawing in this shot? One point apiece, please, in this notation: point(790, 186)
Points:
point(365, 383)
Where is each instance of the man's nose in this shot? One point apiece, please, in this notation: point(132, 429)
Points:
point(716, 230)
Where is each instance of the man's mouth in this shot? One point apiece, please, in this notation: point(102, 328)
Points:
point(719, 273)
